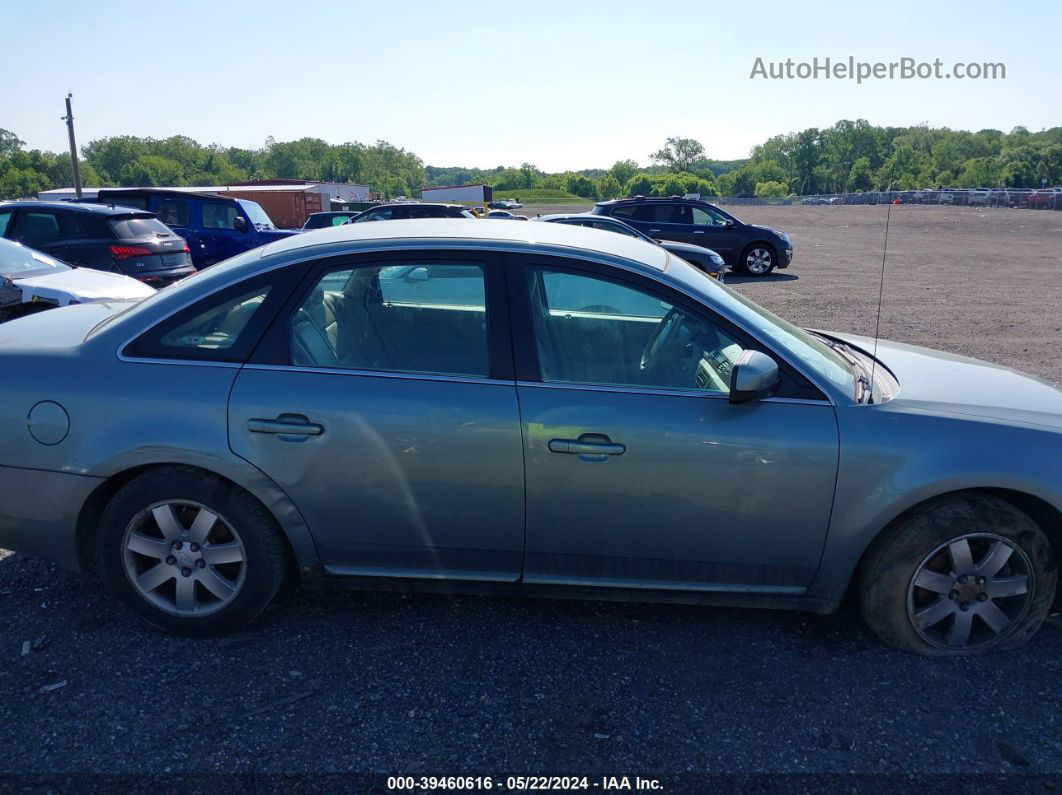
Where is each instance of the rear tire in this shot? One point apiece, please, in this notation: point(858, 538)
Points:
point(959, 576)
point(190, 553)
point(758, 259)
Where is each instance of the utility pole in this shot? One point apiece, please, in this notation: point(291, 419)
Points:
point(69, 119)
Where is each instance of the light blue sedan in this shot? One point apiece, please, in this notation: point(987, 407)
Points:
point(518, 408)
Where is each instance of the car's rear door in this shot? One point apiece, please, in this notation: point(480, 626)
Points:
point(640, 472)
point(383, 402)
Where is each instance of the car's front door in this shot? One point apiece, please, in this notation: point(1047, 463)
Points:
point(383, 402)
point(711, 229)
point(640, 472)
point(218, 236)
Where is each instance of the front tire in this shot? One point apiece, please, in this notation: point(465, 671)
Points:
point(189, 553)
point(758, 259)
point(959, 576)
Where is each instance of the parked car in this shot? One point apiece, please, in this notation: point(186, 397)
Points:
point(506, 215)
point(746, 248)
point(101, 237)
point(326, 219)
point(522, 408)
point(216, 227)
point(406, 210)
point(31, 281)
point(977, 198)
point(703, 258)
point(1046, 199)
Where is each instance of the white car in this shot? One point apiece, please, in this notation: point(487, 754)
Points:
point(30, 280)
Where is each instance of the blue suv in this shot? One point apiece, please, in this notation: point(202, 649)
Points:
point(216, 227)
point(746, 248)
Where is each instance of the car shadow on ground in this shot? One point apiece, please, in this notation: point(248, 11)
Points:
point(737, 278)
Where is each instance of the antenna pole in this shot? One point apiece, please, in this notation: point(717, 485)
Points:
point(881, 292)
point(69, 119)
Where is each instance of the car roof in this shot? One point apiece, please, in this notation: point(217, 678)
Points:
point(469, 229)
point(415, 204)
point(580, 216)
point(101, 208)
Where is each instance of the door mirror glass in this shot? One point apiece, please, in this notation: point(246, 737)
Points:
point(418, 275)
point(753, 377)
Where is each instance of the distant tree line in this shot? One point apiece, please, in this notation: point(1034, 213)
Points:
point(850, 156)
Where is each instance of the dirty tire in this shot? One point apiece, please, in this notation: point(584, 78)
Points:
point(886, 577)
point(264, 551)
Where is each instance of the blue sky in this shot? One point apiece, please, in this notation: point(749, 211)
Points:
point(558, 84)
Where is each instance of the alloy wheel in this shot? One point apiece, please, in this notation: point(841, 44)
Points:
point(758, 261)
point(970, 592)
point(184, 558)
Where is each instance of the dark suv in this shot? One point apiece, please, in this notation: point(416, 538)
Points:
point(102, 237)
point(746, 248)
point(396, 212)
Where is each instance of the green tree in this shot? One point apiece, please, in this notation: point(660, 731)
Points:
point(680, 154)
point(768, 189)
point(608, 187)
point(623, 170)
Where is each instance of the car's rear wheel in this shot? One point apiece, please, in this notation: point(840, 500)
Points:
point(759, 259)
point(190, 553)
point(964, 575)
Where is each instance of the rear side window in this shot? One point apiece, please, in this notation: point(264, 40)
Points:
point(138, 226)
point(174, 212)
point(36, 227)
point(223, 327)
point(5, 219)
point(219, 216)
point(652, 213)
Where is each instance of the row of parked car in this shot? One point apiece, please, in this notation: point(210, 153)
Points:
point(1045, 199)
point(130, 241)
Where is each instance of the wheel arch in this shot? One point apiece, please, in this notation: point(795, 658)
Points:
point(268, 494)
point(1046, 516)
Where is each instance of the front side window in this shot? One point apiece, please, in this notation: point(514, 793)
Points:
point(703, 216)
point(410, 318)
point(219, 216)
point(592, 330)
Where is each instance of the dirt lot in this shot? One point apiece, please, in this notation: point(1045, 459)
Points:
point(382, 683)
point(982, 282)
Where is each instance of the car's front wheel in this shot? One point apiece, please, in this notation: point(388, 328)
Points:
point(759, 259)
point(190, 553)
point(963, 575)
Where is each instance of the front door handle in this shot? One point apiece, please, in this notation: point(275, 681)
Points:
point(654, 231)
point(294, 425)
point(589, 447)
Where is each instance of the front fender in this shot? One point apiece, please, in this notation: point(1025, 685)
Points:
point(893, 460)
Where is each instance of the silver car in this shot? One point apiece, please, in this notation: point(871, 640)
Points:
point(519, 408)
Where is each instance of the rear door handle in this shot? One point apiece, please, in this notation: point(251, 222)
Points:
point(589, 447)
point(654, 231)
point(293, 425)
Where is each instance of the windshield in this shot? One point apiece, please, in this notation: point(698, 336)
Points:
point(255, 212)
point(18, 261)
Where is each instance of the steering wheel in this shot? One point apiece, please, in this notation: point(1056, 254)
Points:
point(662, 335)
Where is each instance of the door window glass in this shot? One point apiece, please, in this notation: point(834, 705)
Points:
point(5, 219)
point(591, 330)
point(219, 216)
point(173, 212)
point(374, 215)
point(37, 227)
point(409, 318)
point(703, 216)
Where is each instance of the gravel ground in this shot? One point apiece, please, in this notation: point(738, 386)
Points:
point(385, 683)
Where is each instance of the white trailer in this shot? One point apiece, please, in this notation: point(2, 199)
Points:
point(459, 194)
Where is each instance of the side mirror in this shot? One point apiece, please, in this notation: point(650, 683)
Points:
point(239, 223)
point(753, 377)
point(418, 275)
